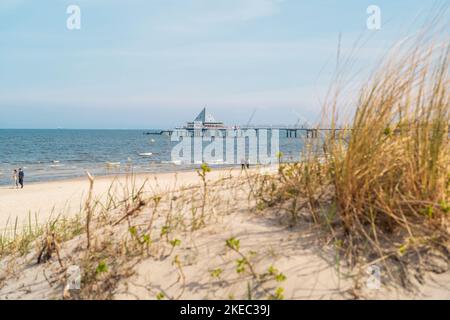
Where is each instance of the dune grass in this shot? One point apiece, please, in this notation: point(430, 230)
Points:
point(382, 187)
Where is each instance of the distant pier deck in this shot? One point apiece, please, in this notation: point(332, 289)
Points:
point(289, 131)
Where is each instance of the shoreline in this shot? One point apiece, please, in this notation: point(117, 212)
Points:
point(101, 176)
point(57, 178)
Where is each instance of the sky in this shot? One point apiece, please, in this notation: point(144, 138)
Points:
point(157, 63)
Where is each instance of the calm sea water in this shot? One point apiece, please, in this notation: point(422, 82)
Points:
point(60, 154)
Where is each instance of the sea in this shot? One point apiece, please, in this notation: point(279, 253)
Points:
point(47, 155)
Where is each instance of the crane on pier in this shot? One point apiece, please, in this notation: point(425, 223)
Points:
point(251, 117)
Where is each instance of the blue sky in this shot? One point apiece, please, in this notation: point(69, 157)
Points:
point(156, 63)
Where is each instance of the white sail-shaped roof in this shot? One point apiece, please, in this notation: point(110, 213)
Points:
point(205, 117)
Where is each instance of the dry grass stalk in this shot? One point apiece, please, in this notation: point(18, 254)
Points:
point(88, 209)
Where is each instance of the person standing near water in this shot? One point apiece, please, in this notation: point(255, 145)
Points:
point(14, 178)
point(21, 176)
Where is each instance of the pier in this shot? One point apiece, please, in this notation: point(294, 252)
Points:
point(205, 122)
point(288, 131)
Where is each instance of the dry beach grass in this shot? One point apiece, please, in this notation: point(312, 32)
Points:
point(383, 188)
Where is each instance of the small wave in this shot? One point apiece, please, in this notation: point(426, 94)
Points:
point(177, 162)
point(218, 161)
point(146, 154)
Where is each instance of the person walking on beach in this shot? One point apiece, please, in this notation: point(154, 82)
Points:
point(242, 164)
point(15, 179)
point(21, 176)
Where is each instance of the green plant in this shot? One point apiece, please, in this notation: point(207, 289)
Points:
point(276, 274)
point(102, 267)
point(240, 265)
point(175, 243)
point(233, 244)
point(445, 206)
point(160, 296)
point(278, 294)
point(202, 173)
point(243, 262)
point(216, 273)
point(165, 231)
point(133, 231)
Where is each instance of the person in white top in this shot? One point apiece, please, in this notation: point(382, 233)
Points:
point(15, 179)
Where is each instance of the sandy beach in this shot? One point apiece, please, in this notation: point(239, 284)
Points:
point(41, 201)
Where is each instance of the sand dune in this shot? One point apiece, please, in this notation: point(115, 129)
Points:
point(307, 264)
